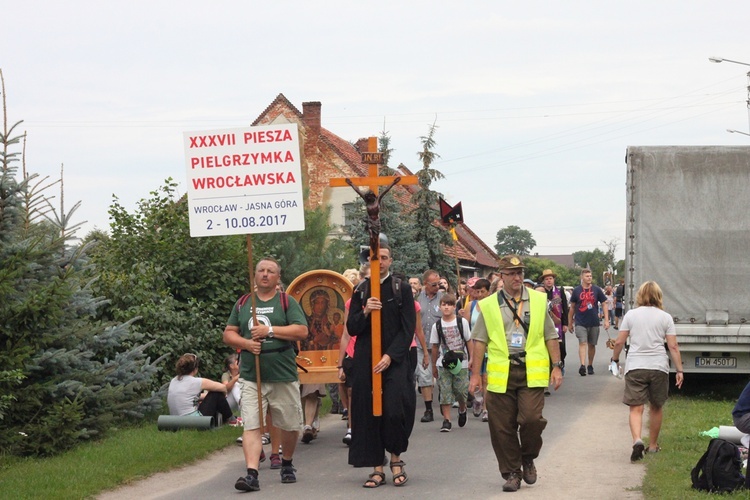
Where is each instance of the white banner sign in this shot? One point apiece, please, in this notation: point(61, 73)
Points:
point(244, 180)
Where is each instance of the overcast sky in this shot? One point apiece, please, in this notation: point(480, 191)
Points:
point(535, 102)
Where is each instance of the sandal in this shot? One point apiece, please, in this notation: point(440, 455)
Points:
point(401, 475)
point(374, 483)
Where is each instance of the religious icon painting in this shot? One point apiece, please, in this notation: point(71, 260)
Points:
point(322, 295)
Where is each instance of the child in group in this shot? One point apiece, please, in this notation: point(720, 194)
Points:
point(230, 379)
point(450, 342)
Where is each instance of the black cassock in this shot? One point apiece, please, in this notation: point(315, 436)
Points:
point(373, 436)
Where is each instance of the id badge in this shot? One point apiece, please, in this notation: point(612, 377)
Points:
point(516, 339)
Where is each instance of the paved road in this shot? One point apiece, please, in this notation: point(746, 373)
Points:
point(586, 454)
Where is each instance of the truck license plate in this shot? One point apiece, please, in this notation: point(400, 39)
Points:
point(706, 362)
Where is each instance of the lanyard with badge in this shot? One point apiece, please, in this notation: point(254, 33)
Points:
point(516, 337)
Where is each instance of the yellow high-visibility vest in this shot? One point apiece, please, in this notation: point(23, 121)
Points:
point(537, 356)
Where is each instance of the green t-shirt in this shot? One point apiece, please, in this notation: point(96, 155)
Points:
point(275, 365)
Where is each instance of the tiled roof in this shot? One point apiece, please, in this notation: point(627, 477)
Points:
point(280, 99)
point(346, 151)
point(483, 253)
point(469, 247)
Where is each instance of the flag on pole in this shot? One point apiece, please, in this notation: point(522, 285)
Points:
point(450, 215)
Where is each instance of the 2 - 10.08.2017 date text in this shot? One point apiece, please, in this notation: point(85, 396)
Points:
point(248, 222)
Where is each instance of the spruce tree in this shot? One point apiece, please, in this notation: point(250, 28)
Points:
point(433, 238)
point(65, 376)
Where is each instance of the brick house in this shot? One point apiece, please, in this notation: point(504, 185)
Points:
point(326, 155)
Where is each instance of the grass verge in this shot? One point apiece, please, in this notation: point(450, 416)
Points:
point(701, 404)
point(125, 455)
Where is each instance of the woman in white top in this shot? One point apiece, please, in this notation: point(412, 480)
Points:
point(184, 393)
point(649, 327)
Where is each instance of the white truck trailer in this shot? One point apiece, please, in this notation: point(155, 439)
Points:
point(688, 229)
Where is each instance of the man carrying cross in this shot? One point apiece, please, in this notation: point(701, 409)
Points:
point(382, 316)
point(372, 436)
point(280, 323)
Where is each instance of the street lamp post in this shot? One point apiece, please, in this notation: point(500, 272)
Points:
point(721, 59)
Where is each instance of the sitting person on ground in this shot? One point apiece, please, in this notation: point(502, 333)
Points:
point(741, 411)
point(184, 394)
point(741, 418)
point(229, 378)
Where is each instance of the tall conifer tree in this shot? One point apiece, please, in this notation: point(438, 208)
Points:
point(64, 377)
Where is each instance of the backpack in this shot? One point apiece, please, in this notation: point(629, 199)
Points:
point(364, 290)
point(719, 470)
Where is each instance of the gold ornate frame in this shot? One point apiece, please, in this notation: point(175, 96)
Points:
point(319, 354)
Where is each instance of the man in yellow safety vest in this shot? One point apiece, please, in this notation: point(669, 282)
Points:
point(520, 339)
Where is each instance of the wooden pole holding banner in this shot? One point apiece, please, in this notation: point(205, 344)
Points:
point(373, 158)
point(251, 270)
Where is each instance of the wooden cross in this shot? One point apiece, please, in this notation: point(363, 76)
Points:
point(374, 181)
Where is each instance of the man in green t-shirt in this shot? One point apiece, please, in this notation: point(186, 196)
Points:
point(280, 323)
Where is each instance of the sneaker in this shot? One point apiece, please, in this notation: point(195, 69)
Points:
point(547, 393)
point(347, 438)
point(477, 407)
point(446, 426)
point(455, 404)
point(239, 441)
point(462, 419)
point(485, 417)
point(637, 453)
point(307, 434)
point(591, 370)
point(288, 474)
point(529, 472)
point(316, 424)
point(345, 414)
point(513, 483)
point(275, 461)
point(247, 483)
point(262, 456)
point(428, 417)
point(265, 439)
point(582, 371)
point(234, 421)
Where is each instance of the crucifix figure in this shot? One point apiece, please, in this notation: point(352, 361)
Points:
point(372, 204)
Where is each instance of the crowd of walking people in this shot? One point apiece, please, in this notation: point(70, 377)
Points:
point(495, 348)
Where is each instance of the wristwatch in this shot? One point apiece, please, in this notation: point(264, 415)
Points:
point(559, 365)
point(270, 332)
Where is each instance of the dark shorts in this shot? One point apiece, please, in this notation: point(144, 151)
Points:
point(646, 386)
point(618, 312)
point(348, 365)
